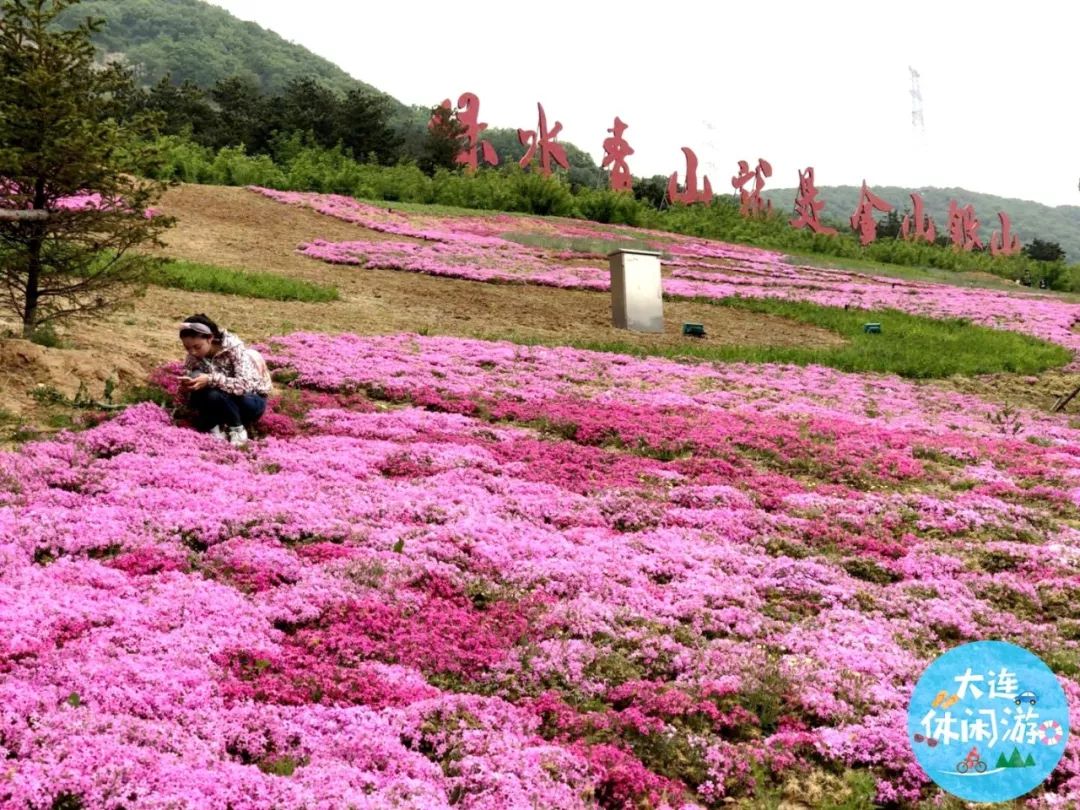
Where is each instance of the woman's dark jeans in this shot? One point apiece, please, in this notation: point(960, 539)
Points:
point(214, 407)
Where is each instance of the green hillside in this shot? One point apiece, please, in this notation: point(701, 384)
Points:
point(191, 40)
point(1030, 220)
point(202, 43)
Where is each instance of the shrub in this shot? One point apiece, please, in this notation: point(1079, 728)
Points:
point(234, 167)
point(611, 207)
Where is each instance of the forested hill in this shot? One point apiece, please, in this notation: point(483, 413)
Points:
point(1030, 220)
point(193, 41)
point(196, 41)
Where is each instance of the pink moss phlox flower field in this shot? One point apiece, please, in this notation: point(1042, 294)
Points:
point(77, 202)
point(477, 248)
point(482, 575)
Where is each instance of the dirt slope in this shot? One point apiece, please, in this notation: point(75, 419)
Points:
point(237, 228)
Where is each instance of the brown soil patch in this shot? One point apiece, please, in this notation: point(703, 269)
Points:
point(1020, 391)
point(237, 228)
point(983, 278)
point(234, 227)
point(26, 367)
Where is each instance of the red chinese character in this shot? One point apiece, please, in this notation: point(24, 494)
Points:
point(468, 116)
point(807, 207)
point(862, 221)
point(691, 195)
point(750, 202)
point(549, 149)
point(1005, 243)
point(616, 151)
point(963, 226)
point(916, 226)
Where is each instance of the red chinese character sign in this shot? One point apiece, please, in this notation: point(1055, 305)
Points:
point(807, 207)
point(862, 221)
point(468, 115)
point(616, 151)
point(1005, 243)
point(544, 140)
point(468, 127)
point(918, 225)
point(750, 202)
point(691, 195)
point(963, 226)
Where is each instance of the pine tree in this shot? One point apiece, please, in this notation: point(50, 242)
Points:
point(1015, 760)
point(1001, 761)
point(64, 135)
point(445, 140)
point(364, 127)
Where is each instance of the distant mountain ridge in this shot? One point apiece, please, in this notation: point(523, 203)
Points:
point(1030, 220)
point(195, 41)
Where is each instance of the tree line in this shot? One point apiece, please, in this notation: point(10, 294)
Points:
point(367, 126)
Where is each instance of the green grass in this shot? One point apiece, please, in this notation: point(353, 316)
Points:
point(437, 209)
point(578, 244)
point(908, 345)
point(45, 335)
point(196, 277)
point(954, 278)
point(920, 273)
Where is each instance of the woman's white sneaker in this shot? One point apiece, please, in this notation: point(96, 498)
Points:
point(218, 433)
point(238, 436)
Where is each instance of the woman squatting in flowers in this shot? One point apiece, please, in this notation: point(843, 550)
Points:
point(227, 384)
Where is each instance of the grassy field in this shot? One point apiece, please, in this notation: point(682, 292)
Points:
point(198, 277)
point(908, 345)
point(933, 274)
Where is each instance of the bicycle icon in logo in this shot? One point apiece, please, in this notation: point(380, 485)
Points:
point(971, 763)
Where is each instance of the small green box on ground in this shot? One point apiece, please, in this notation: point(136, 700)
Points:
point(693, 329)
point(872, 328)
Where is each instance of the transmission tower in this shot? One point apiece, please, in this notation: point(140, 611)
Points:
point(708, 163)
point(916, 102)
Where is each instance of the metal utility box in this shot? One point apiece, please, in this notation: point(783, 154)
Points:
point(637, 301)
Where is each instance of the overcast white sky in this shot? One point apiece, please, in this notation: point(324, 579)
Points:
point(797, 83)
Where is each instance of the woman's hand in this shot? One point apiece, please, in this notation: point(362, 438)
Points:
point(195, 383)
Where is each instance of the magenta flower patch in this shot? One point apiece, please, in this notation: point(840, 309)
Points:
point(484, 575)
